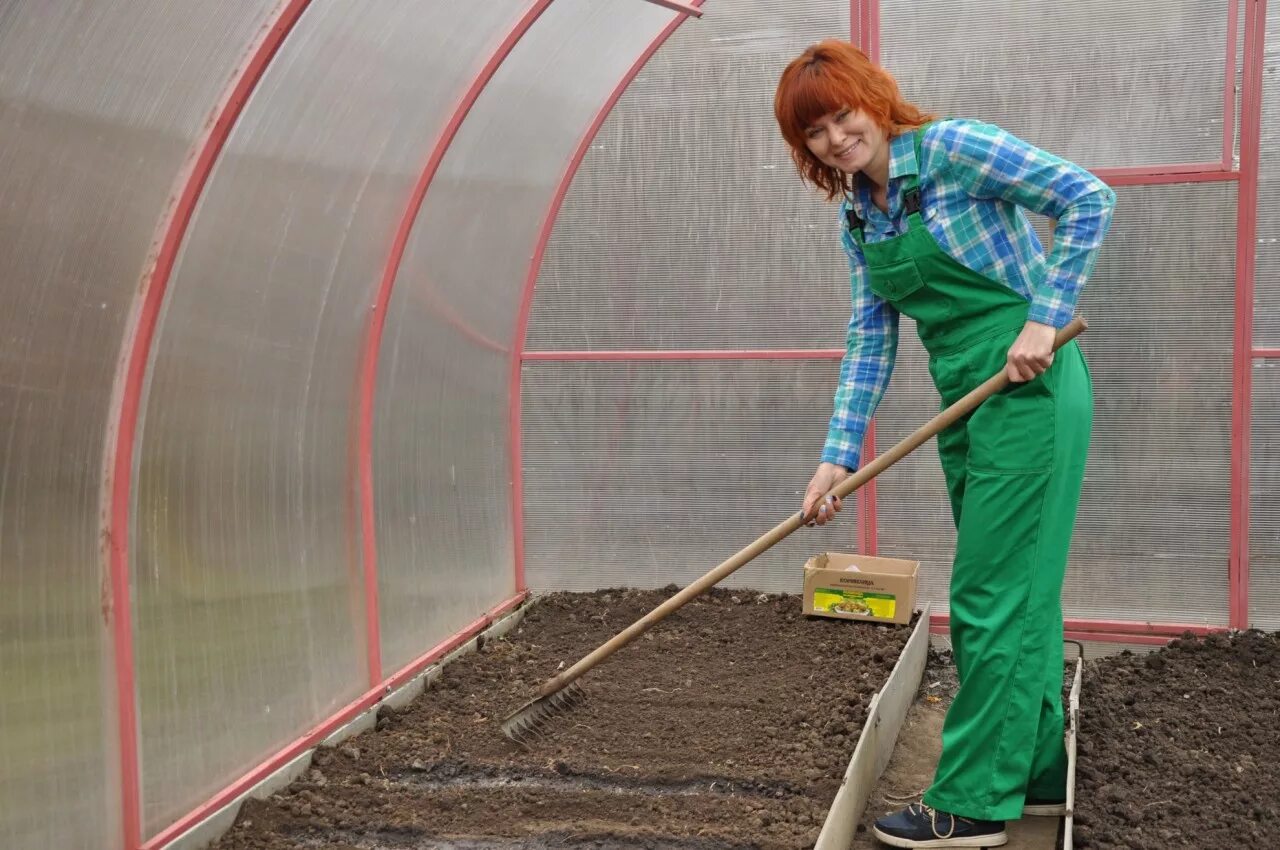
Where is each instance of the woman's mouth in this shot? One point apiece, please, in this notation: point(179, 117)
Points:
point(847, 150)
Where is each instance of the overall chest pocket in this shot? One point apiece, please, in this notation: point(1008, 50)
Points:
point(896, 280)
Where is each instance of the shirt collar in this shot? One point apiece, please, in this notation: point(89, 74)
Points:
point(902, 160)
point(902, 155)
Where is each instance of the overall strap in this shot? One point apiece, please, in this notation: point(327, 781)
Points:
point(855, 223)
point(911, 191)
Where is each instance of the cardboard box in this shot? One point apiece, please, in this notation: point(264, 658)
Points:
point(860, 587)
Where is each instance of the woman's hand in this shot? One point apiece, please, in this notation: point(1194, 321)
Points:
point(827, 476)
point(1031, 353)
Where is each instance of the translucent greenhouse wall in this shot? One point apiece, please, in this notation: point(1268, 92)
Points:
point(264, 288)
point(689, 317)
point(333, 329)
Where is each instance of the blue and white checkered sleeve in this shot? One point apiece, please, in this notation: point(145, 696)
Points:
point(992, 163)
point(870, 349)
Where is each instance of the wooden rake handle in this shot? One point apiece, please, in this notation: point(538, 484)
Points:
point(917, 438)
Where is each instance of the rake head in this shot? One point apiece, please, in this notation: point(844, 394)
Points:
point(528, 722)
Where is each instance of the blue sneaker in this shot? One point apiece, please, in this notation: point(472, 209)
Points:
point(919, 825)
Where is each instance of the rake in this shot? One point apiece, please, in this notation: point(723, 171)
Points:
point(563, 691)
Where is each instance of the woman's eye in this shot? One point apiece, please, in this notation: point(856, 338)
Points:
point(813, 132)
point(840, 116)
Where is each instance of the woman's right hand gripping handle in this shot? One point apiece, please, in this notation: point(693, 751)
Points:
point(827, 476)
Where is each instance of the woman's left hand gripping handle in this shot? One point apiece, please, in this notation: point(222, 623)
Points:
point(817, 510)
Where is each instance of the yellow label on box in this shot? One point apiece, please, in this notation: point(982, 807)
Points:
point(838, 601)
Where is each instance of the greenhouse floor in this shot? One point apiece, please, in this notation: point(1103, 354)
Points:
point(1181, 748)
point(910, 770)
point(729, 725)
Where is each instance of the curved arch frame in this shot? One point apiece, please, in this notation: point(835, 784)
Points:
point(535, 266)
point(368, 381)
point(130, 380)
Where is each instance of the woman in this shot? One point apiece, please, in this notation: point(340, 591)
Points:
point(933, 224)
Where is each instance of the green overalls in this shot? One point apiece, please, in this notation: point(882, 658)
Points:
point(1013, 469)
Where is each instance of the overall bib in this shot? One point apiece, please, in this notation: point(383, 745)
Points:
point(1013, 469)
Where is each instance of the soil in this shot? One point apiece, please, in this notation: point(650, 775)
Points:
point(1181, 748)
point(729, 725)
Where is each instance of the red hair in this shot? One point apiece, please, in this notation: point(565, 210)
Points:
point(827, 77)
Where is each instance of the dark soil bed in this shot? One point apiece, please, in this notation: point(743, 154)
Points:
point(1181, 748)
point(729, 725)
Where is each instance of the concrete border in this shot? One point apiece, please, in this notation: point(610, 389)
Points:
point(216, 825)
point(885, 714)
point(1073, 725)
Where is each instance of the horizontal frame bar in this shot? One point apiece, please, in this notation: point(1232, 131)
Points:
point(1155, 175)
point(1121, 627)
point(691, 354)
point(1121, 637)
point(322, 730)
point(735, 354)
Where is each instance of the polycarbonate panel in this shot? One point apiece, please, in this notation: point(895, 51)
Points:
point(1266, 317)
point(1157, 488)
point(1264, 487)
point(442, 464)
point(249, 581)
point(913, 515)
point(1101, 83)
point(647, 473)
point(100, 101)
point(687, 226)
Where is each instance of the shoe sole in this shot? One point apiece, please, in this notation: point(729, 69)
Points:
point(1047, 810)
point(997, 839)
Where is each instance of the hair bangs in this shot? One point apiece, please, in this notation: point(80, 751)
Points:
point(816, 91)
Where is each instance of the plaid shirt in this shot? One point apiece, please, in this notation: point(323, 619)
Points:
point(973, 182)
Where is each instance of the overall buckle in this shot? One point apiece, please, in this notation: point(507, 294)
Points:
point(853, 220)
point(911, 202)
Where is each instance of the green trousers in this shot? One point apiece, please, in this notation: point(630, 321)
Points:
point(1014, 470)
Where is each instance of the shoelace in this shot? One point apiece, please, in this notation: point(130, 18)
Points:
point(933, 819)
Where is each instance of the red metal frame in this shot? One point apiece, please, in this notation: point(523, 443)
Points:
point(869, 539)
point(131, 374)
point(1229, 86)
point(1110, 637)
point(526, 297)
point(322, 730)
point(677, 6)
point(1246, 261)
point(865, 21)
point(1155, 175)
point(1096, 630)
point(1117, 627)
point(130, 380)
point(872, 36)
point(368, 384)
point(691, 354)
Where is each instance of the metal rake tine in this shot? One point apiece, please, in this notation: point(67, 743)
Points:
point(536, 730)
point(531, 721)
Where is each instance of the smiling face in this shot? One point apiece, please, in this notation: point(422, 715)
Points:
point(850, 141)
